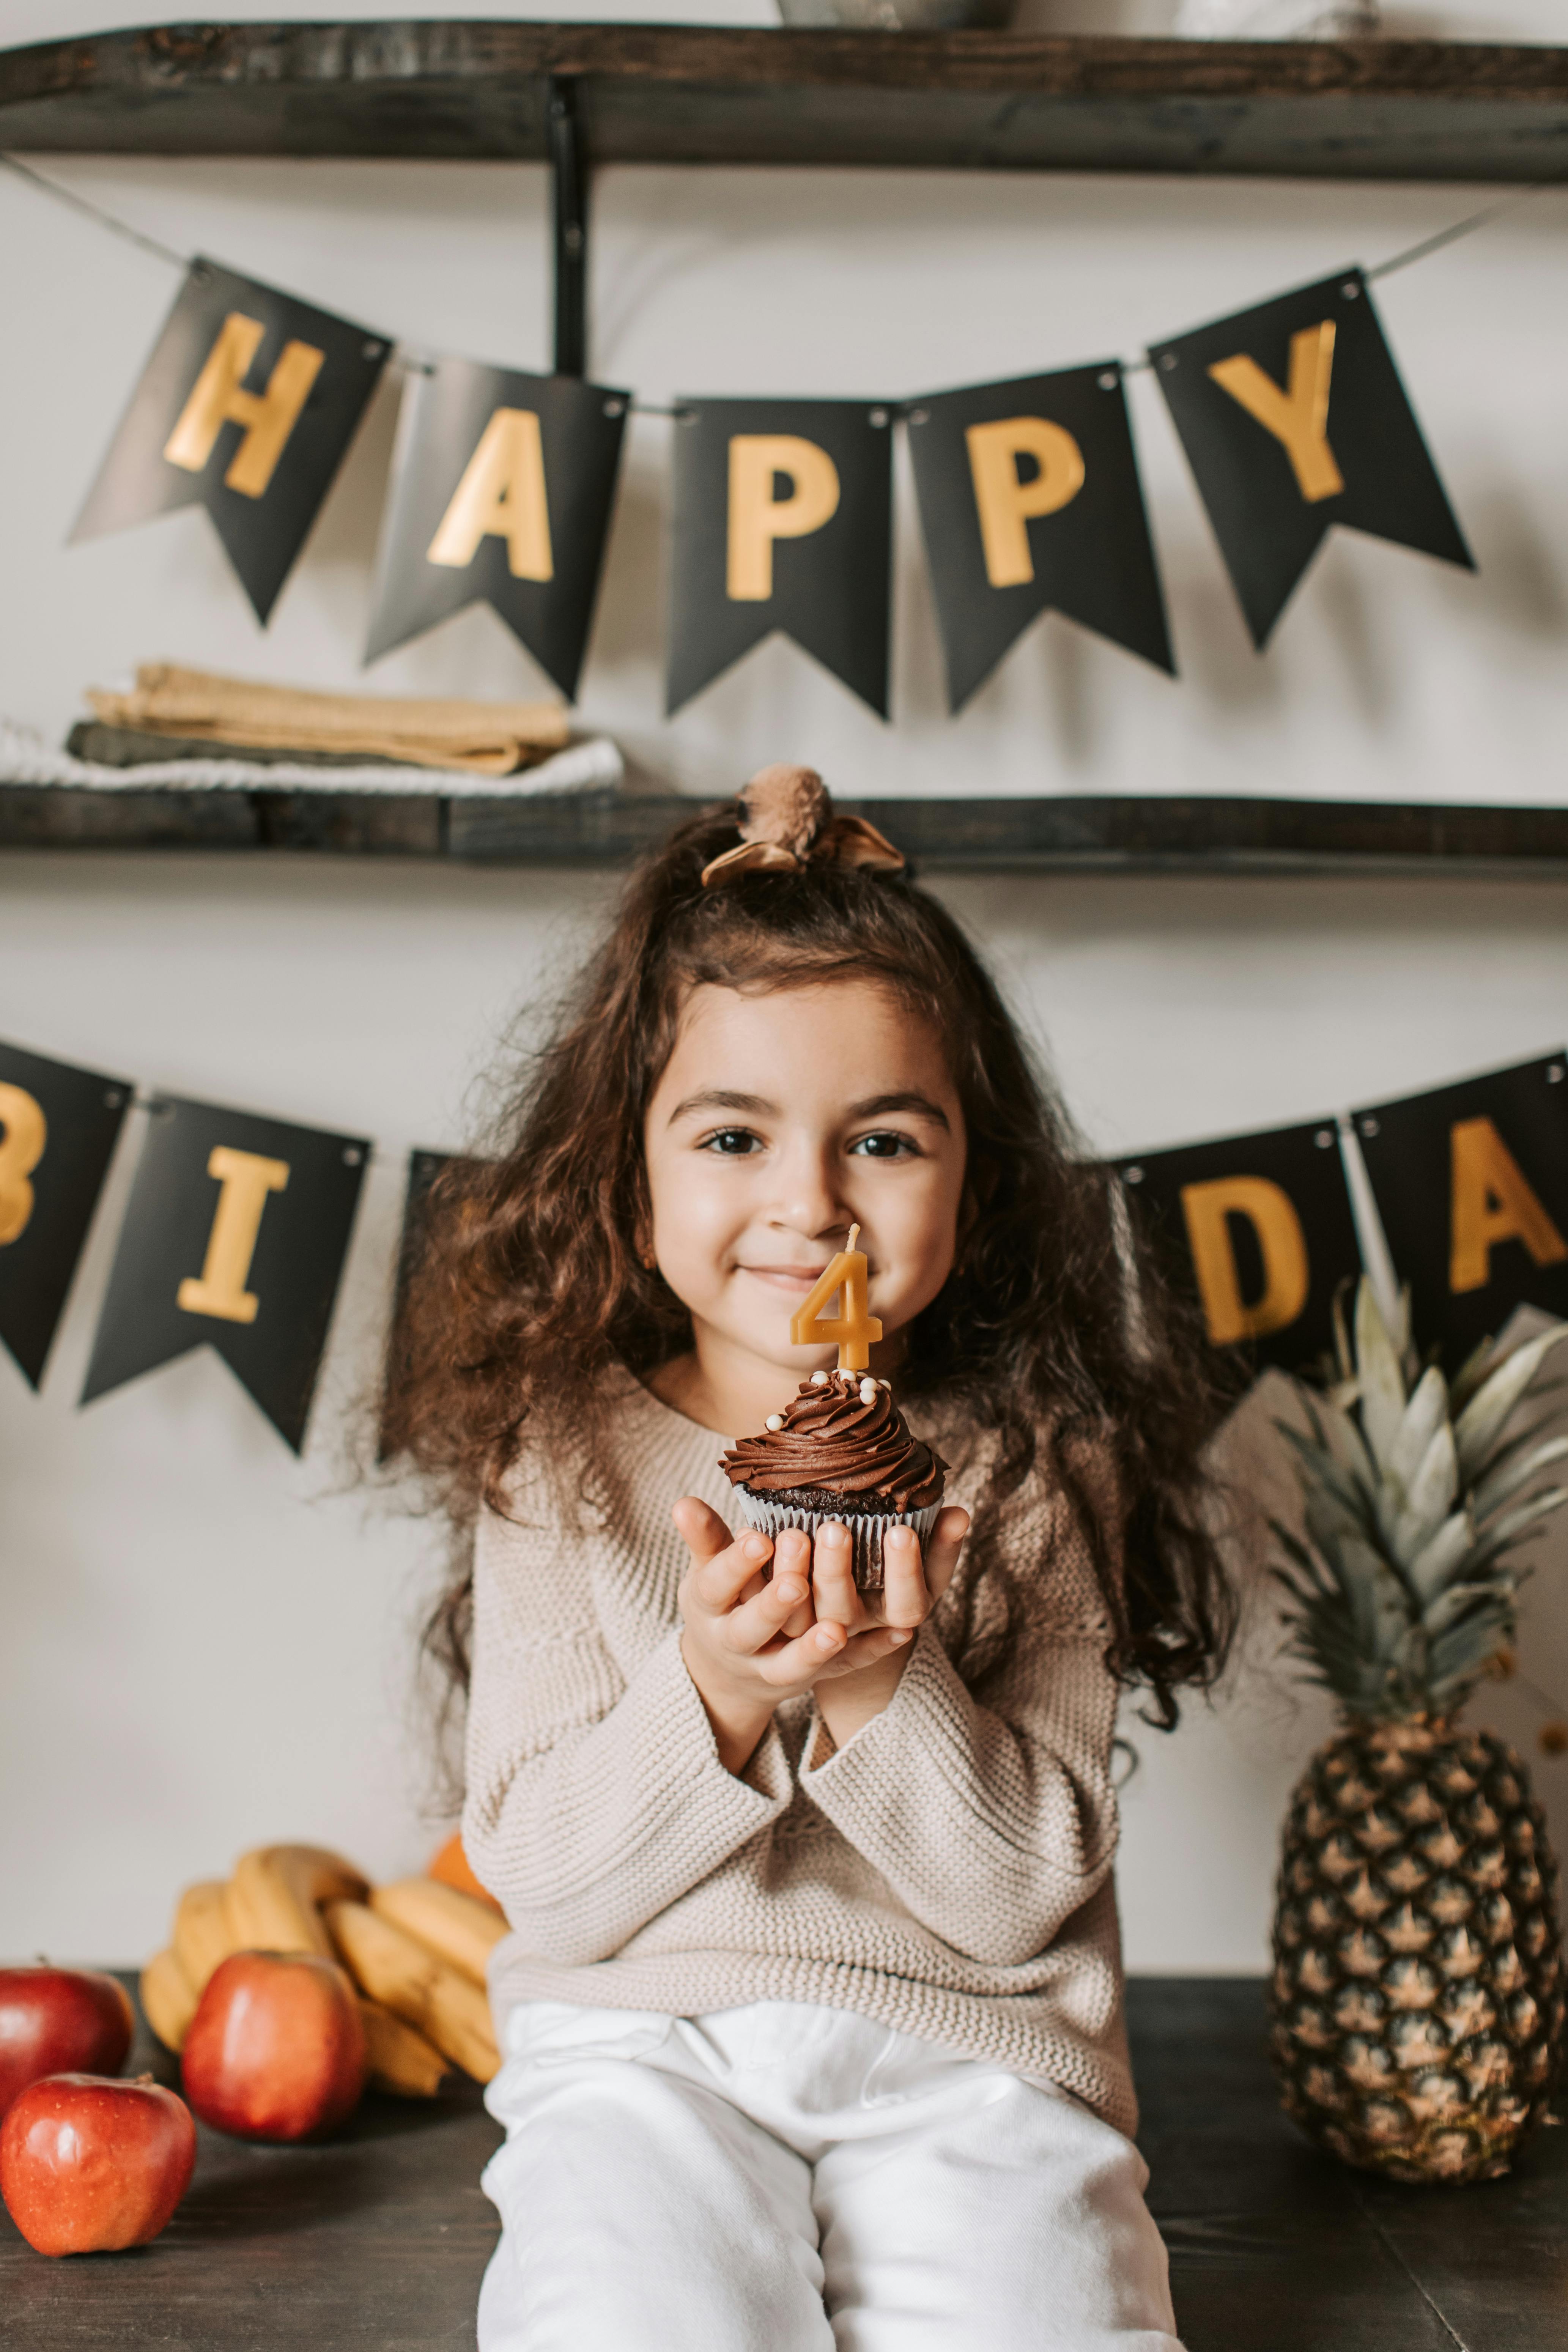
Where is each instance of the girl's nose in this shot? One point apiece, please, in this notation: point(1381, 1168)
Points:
point(808, 1199)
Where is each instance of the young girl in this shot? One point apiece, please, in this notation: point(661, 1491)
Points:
point(811, 2009)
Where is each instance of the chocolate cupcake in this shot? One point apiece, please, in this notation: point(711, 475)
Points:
point(840, 1450)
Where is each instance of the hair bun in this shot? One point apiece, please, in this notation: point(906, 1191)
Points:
point(786, 822)
point(785, 807)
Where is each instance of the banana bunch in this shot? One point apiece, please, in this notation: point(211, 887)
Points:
point(415, 1950)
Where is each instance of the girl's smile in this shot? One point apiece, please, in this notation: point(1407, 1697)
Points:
point(785, 1277)
point(783, 1117)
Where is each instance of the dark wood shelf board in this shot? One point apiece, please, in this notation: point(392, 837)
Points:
point(656, 94)
point(1106, 834)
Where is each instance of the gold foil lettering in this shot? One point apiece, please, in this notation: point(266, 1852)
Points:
point(219, 398)
point(1004, 502)
point(25, 1132)
point(1299, 416)
point(247, 1179)
point(502, 495)
point(1281, 1244)
point(1491, 1201)
point(757, 518)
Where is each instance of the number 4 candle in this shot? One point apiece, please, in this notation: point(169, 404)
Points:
point(854, 1326)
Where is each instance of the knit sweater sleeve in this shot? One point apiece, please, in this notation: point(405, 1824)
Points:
point(991, 1813)
point(595, 1795)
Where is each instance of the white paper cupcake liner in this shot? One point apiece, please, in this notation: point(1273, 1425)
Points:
point(772, 1514)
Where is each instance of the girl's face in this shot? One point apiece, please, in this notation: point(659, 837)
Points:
point(782, 1118)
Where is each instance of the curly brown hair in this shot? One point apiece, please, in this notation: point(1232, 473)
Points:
point(528, 1286)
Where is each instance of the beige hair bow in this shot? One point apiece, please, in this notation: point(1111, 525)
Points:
point(787, 824)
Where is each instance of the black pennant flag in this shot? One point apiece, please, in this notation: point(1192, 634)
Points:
point(236, 1234)
point(1471, 1183)
point(1258, 1228)
point(782, 521)
point(1030, 500)
point(246, 405)
point(58, 1126)
point(424, 1168)
point(503, 488)
point(1293, 417)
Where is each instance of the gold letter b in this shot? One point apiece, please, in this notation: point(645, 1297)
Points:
point(24, 1132)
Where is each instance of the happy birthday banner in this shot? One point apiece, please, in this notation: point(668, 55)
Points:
point(1470, 1184)
point(238, 1226)
point(502, 490)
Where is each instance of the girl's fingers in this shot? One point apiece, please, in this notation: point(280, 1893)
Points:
point(792, 1558)
point(716, 1585)
point(763, 1618)
point(833, 1592)
point(942, 1548)
point(906, 1600)
point(865, 1650)
point(797, 1665)
point(703, 1530)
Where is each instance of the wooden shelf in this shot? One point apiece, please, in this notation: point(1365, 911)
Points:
point(669, 94)
point(1109, 834)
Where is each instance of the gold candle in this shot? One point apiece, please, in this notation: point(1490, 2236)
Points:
point(854, 1326)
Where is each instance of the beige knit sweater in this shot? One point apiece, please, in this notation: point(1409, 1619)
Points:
point(948, 1871)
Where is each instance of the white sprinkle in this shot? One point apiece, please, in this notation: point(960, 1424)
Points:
point(819, 1379)
point(868, 1391)
point(773, 1420)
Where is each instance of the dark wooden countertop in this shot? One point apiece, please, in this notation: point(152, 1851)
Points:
point(376, 2241)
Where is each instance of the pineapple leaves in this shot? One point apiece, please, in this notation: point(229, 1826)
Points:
point(1444, 1558)
point(1426, 1415)
point(1505, 1532)
point(1522, 1440)
point(1505, 1479)
point(1403, 1589)
point(1381, 1383)
point(1482, 1422)
point(1470, 1375)
point(1429, 1499)
point(1328, 1519)
point(1459, 1656)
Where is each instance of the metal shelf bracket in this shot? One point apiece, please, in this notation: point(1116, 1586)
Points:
point(569, 178)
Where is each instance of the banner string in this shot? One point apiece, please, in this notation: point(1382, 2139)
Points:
point(1463, 227)
point(153, 245)
point(1402, 260)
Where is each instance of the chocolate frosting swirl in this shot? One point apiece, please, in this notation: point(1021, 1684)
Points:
point(833, 1440)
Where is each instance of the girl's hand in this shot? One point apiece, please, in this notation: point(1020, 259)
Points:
point(859, 1683)
point(912, 1589)
point(747, 1645)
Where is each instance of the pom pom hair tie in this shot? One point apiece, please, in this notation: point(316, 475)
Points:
point(787, 825)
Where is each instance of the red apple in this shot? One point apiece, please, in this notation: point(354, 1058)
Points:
point(89, 2163)
point(276, 2049)
point(60, 2022)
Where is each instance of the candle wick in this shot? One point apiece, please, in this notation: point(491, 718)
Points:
point(854, 1235)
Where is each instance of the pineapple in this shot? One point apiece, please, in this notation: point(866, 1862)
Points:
point(1417, 1992)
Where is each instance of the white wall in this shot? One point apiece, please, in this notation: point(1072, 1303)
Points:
point(203, 1642)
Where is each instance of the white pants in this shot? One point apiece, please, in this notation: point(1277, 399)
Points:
point(789, 2178)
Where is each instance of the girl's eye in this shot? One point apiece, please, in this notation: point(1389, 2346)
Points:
point(887, 1144)
point(730, 1142)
